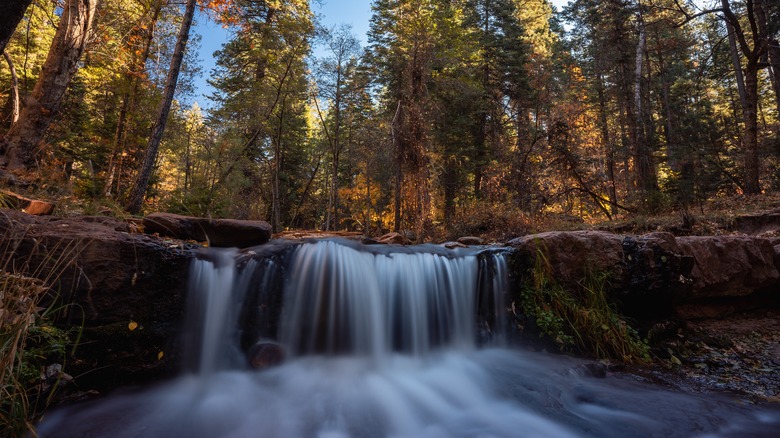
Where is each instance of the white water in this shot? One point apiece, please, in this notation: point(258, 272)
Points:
point(383, 343)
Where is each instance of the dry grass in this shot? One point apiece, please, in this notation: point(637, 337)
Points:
point(27, 340)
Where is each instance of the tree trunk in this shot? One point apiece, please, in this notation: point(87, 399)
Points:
point(11, 13)
point(21, 142)
point(750, 115)
point(749, 92)
point(772, 48)
point(608, 146)
point(735, 58)
point(136, 198)
point(14, 89)
point(643, 158)
point(399, 177)
point(129, 100)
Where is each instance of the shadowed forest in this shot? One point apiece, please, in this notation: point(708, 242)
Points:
point(457, 117)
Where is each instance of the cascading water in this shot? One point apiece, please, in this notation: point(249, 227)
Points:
point(381, 342)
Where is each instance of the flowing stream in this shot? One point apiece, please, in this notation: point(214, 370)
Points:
point(382, 342)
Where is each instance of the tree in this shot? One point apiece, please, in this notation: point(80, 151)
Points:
point(402, 46)
point(752, 46)
point(132, 79)
point(335, 72)
point(261, 113)
point(138, 192)
point(20, 146)
point(11, 13)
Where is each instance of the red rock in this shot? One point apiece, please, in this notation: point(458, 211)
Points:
point(728, 266)
point(570, 254)
point(217, 232)
point(395, 239)
point(104, 277)
point(30, 206)
point(471, 240)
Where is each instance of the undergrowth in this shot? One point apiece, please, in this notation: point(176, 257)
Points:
point(32, 349)
point(582, 319)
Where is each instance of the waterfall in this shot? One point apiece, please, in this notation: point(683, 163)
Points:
point(340, 299)
point(337, 298)
point(381, 342)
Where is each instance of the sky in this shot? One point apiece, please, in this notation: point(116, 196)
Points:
point(356, 13)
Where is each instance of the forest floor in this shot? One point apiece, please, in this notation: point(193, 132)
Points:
point(738, 354)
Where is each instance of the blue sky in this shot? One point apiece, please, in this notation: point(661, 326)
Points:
point(331, 12)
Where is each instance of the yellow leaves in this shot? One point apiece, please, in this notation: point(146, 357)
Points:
point(160, 355)
point(132, 325)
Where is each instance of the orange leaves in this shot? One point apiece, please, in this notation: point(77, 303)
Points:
point(222, 11)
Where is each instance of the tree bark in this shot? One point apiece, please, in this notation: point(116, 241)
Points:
point(14, 89)
point(21, 142)
point(138, 193)
point(11, 13)
point(735, 58)
point(750, 114)
point(608, 146)
point(643, 157)
point(772, 48)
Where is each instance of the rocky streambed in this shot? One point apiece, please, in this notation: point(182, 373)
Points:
point(707, 304)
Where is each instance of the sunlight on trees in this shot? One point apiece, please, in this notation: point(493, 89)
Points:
point(459, 117)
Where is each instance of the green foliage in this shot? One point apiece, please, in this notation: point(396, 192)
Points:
point(583, 318)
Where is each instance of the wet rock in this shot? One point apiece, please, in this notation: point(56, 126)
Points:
point(266, 354)
point(729, 265)
point(453, 245)
point(218, 232)
point(656, 274)
point(394, 239)
point(471, 240)
point(597, 370)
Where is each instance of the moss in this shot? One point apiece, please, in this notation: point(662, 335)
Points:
point(581, 319)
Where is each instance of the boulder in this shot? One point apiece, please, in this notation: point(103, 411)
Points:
point(105, 278)
point(394, 239)
point(266, 354)
point(218, 232)
point(729, 266)
point(757, 223)
point(471, 240)
point(30, 206)
point(654, 263)
point(571, 254)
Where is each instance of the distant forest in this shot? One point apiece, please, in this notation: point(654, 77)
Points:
point(458, 115)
